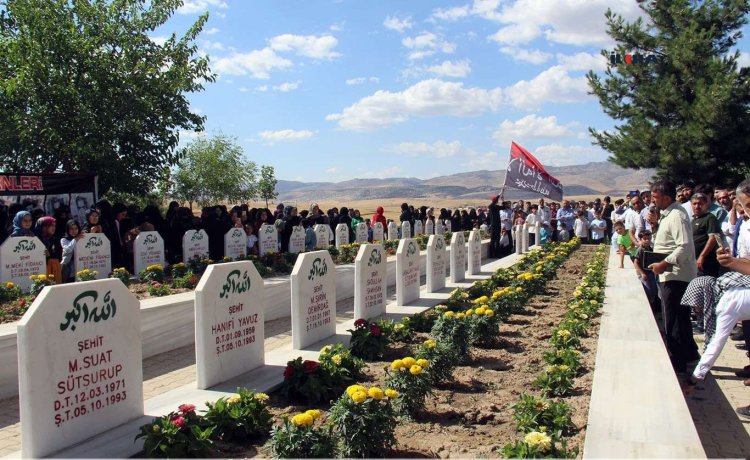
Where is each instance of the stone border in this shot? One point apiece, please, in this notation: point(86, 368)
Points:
point(637, 408)
point(168, 322)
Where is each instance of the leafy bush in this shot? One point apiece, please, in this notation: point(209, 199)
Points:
point(453, 330)
point(177, 435)
point(178, 270)
point(442, 358)
point(364, 421)
point(567, 356)
point(239, 417)
point(122, 275)
point(157, 289)
point(307, 381)
point(298, 437)
point(87, 275)
point(556, 380)
point(10, 292)
point(533, 413)
point(485, 325)
point(341, 362)
point(198, 264)
point(187, 280)
point(538, 444)
point(153, 272)
point(563, 338)
point(410, 377)
point(368, 340)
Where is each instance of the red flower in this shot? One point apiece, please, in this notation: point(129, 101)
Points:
point(178, 421)
point(186, 408)
point(310, 366)
point(375, 330)
point(23, 302)
point(360, 323)
point(288, 372)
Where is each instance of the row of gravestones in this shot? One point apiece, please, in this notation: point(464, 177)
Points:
point(79, 345)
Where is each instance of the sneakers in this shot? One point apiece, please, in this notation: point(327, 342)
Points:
point(740, 346)
point(743, 412)
point(737, 336)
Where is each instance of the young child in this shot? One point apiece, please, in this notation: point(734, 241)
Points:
point(581, 227)
point(623, 242)
point(598, 228)
point(252, 240)
point(563, 235)
point(648, 280)
point(311, 239)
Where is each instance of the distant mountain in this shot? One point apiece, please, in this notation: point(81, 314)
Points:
point(600, 178)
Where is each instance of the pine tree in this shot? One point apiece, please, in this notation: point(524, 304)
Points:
point(681, 105)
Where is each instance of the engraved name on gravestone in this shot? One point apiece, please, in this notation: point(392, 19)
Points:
point(418, 228)
point(377, 232)
point(148, 250)
point(297, 240)
point(235, 243)
point(436, 263)
point(313, 283)
point(475, 252)
point(322, 236)
point(369, 281)
point(405, 230)
point(458, 257)
point(21, 257)
point(194, 244)
point(429, 228)
point(229, 329)
point(361, 232)
point(392, 231)
point(79, 364)
point(342, 235)
point(268, 239)
point(407, 271)
point(93, 252)
point(448, 225)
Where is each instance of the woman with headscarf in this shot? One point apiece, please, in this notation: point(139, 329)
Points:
point(380, 217)
point(346, 220)
point(45, 231)
point(22, 224)
point(68, 243)
point(92, 224)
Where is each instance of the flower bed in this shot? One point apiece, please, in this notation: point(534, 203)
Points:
point(448, 375)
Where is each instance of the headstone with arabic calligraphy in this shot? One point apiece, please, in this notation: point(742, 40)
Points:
point(475, 252)
point(407, 271)
point(194, 244)
point(148, 250)
point(313, 282)
point(458, 257)
point(437, 263)
point(370, 281)
point(377, 232)
point(235, 243)
point(268, 239)
point(21, 257)
point(93, 252)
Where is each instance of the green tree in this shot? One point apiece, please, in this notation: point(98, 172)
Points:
point(267, 184)
point(686, 112)
point(212, 170)
point(84, 89)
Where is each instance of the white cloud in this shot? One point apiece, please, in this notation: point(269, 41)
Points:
point(257, 63)
point(316, 47)
point(427, 44)
point(572, 22)
point(582, 61)
point(397, 24)
point(212, 31)
point(211, 45)
point(159, 40)
point(451, 14)
point(261, 88)
point(432, 97)
point(285, 135)
point(564, 155)
point(337, 26)
point(521, 54)
point(438, 149)
point(244, 89)
point(488, 160)
point(332, 170)
point(452, 69)
point(744, 59)
point(531, 126)
point(486, 9)
point(361, 80)
point(380, 173)
point(287, 86)
point(552, 85)
point(199, 6)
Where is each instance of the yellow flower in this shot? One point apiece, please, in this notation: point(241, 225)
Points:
point(480, 311)
point(483, 299)
point(42, 277)
point(314, 413)
point(375, 393)
point(593, 302)
point(336, 359)
point(326, 349)
point(563, 367)
point(409, 361)
point(550, 369)
point(303, 419)
point(415, 369)
point(261, 396)
point(519, 289)
point(351, 389)
point(489, 312)
point(560, 353)
point(423, 363)
point(9, 285)
point(469, 312)
point(233, 399)
point(358, 396)
point(563, 333)
point(540, 404)
point(429, 343)
point(460, 315)
point(392, 394)
point(539, 440)
point(448, 314)
point(398, 327)
point(397, 364)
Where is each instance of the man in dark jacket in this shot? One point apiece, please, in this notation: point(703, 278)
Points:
point(495, 228)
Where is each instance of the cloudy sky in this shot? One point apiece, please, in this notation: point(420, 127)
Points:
point(330, 90)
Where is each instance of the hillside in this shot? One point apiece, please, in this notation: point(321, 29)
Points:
point(600, 178)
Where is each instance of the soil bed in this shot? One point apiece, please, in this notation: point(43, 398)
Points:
point(472, 415)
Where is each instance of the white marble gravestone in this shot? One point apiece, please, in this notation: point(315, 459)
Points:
point(447, 225)
point(93, 252)
point(21, 257)
point(392, 230)
point(235, 243)
point(194, 244)
point(370, 281)
point(407, 271)
point(437, 263)
point(439, 228)
point(429, 227)
point(418, 228)
point(313, 283)
point(342, 235)
point(377, 232)
point(458, 257)
point(361, 233)
point(229, 328)
point(475, 252)
point(268, 239)
point(405, 230)
point(297, 240)
point(79, 364)
point(525, 238)
point(148, 250)
point(322, 236)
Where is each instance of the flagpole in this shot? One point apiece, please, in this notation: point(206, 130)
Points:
point(505, 180)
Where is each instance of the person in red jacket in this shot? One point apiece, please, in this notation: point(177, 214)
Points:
point(379, 217)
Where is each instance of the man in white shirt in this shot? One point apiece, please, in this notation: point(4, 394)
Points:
point(531, 221)
point(633, 222)
point(544, 212)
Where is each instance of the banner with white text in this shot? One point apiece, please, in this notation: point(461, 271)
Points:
point(525, 172)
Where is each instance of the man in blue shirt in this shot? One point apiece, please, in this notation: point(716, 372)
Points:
point(565, 215)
